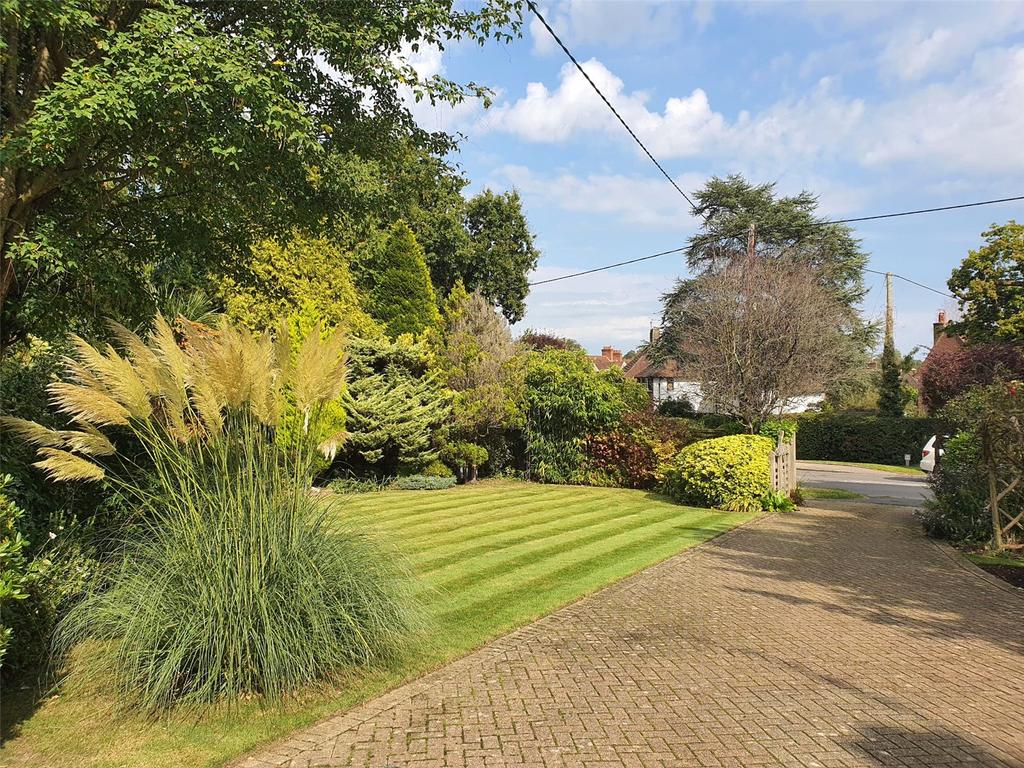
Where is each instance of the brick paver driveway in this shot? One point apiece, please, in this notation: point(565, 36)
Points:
point(821, 638)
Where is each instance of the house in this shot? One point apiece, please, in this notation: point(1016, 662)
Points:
point(609, 357)
point(944, 343)
point(668, 380)
point(665, 380)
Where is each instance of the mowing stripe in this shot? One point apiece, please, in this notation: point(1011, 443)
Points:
point(508, 518)
point(540, 582)
point(566, 536)
point(458, 521)
point(450, 548)
point(409, 516)
point(476, 574)
point(400, 503)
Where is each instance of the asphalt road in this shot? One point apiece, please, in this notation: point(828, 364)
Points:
point(879, 487)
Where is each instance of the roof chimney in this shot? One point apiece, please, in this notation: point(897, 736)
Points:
point(655, 334)
point(617, 356)
point(608, 353)
point(938, 328)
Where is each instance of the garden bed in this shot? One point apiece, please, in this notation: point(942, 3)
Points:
point(1009, 569)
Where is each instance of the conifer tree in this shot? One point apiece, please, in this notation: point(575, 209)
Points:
point(890, 388)
point(400, 294)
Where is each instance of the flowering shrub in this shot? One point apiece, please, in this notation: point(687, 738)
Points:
point(728, 472)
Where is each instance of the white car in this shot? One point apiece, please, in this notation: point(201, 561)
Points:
point(928, 455)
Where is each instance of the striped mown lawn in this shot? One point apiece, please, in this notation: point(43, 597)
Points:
point(495, 555)
point(489, 557)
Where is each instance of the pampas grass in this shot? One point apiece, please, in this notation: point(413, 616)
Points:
point(234, 584)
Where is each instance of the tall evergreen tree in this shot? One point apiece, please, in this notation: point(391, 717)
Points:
point(890, 388)
point(400, 294)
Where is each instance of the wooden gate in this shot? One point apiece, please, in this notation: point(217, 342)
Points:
point(1002, 448)
point(783, 465)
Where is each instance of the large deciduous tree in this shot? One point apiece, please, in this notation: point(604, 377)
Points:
point(165, 137)
point(758, 333)
point(502, 252)
point(989, 285)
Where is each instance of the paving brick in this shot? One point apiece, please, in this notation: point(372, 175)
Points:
point(819, 639)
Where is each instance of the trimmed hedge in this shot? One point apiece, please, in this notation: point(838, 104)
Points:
point(423, 483)
point(728, 472)
point(857, 437)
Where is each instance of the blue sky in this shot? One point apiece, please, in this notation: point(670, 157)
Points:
point(873, 107)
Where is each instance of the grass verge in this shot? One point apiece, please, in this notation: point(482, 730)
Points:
point(828, 493)
point(490, 557)
point(894, 468)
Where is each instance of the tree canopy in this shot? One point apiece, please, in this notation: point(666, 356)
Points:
point(989, 285)
point(785, 228)
point(157, 140)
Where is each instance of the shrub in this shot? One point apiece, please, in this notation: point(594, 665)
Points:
point(680, 407)
point(233, 582)
point(855, 437)
point(423, 483)
point(959, 510)
point(774, 427)
point(437, 468)
point(727, 472)
point(623, 458)
point(465, 458)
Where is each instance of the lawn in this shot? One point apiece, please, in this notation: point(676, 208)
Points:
point(898, 469)
point(489, 557)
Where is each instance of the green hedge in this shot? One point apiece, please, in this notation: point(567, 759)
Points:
point(858, 437)
point(728, 472)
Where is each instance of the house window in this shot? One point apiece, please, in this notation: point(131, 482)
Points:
point(671, 384)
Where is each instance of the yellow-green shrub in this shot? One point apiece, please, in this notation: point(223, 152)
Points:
point(727, 472)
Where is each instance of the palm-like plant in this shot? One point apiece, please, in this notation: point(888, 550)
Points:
point(236, 583)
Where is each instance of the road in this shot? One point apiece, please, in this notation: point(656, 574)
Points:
point(880, 487)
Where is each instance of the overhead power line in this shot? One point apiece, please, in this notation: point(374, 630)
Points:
point(818, 223)
point(608, 266)
point(557, 39)
point(912, 282)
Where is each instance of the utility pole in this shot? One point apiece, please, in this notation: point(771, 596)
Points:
point(889, 311)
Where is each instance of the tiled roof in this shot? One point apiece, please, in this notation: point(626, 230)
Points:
point(601, 362)
point(642, 367)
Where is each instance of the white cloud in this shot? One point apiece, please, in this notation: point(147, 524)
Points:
point(971, 123)
point(643, 200)
point(614, 307)
point(543, 115)
point(946, 35)
point(612, 23)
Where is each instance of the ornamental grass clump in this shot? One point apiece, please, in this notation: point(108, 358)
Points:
point(234, 582)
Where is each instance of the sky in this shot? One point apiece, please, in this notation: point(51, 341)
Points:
point(873, 107)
